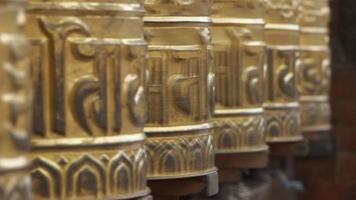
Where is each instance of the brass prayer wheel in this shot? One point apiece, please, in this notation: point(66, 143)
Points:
point(15, 95)
point(313, 68)
point(281, 97)
point(88, 71)
point(239, 53)
point(180, 89)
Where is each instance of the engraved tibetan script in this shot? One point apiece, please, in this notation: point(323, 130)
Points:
point(239, 80)
point(281, 74)
point(179, 76)
point(313, 69)
point(87, 82)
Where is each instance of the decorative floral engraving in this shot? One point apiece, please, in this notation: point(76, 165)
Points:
point(283, 125)
point(85, 175)
point(180, 155)
point(239, 134)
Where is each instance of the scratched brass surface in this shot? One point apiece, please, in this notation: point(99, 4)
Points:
point(180, 89)
point(88, 71)
point(239, 53)
point(281, 97)
point(14, 103)
point(314, 65)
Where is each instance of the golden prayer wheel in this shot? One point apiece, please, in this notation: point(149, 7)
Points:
point(239, 53)
point(88, 71)
point(313, 68)
point(281, 104)
point(14, 103)
point(180, 89)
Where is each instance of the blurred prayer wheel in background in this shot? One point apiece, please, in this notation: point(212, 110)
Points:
point(180, 89)
point(15, 96)
point(88, 71)
point(239, 54)
point(281, 97)
point(313, 68)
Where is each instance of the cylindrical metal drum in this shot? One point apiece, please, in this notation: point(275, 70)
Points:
point(281, 97)
point(88, 71)
point(313, 66)
point(180, 89)
point(15, 95)
point(239, 53)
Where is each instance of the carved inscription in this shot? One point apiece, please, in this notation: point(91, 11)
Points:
point(281, 74)
point(58, 32)
point(239, 80)
point(313, 69)
point(176, 75)
point(88, 71)
point(91, 95)
point(312, 11)
point(282, 110)
point(287, 8)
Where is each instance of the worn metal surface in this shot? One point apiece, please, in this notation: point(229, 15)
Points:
point(180, 89)
point(281, 96)
point(313, 67)
point(15, 95)
point(239, 54)
point(88, 72)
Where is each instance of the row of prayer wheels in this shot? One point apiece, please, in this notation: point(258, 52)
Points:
point(97, 97)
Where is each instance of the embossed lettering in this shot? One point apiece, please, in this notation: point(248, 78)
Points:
point(58, 32)
point(90, 93)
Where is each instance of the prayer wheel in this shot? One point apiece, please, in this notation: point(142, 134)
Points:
point(281, 104)
point(313, 67)
point(180, 89)
point(88, 72)
point(15, 95)
point(239, 54)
